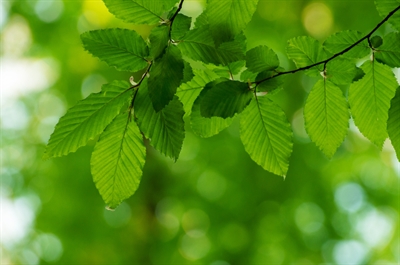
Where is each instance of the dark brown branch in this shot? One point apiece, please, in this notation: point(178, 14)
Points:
point(368, 36)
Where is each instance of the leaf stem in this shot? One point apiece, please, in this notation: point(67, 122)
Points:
point(325, 62)
point(138, 85)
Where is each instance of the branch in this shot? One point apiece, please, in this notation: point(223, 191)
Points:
point(368, 36)
point(139, 83)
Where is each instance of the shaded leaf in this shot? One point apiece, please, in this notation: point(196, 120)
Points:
point(117, 160)
point(267, 135)
point(165, 77)
point(225, 99)
point(188, 92)
point(165, 128)
point(229, 17)
point(341, 71)
point(180, 26)
point(369, 100)
point(261, 58)
point(88, 118)
point(206, 127)
point(159, 37)
point(124, 49)
point(326, 115)
point(389, 52)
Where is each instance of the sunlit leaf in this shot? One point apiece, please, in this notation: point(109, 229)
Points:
point(384, 7)
point(326, 115)
point(393, 125)
point(267, 135)
point(344, 39)
point(370, 98)
point(117, 160)
point(389, 52)
point(261, 58)
point(88, 118)
point(341, 71)
point(165, 128)
point(124, 49)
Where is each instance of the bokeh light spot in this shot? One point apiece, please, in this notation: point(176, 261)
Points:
point(309, 217)
point(318, 20)
point(49, 10)
point(49, 247)
point(195, 222)
point(349, 252)
point(119, 217)
point(349, 197)
point(194, 248)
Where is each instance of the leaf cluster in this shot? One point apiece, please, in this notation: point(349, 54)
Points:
point(201, 70)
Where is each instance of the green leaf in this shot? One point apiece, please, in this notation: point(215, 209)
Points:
point(187, 72)
point(207, 127)
point(139, 11)
point(376, 41)
point(159, 38)
point(180, 27)
point(228, 18)
point(305, 51)
point(344, 39)
point(266, 135)
point(199, 46)
point(124, 49)
point(188, 92)
point(393, 124)
point(165, 128)
point(87, 119)
point(232, 51)
point(225, 99)
point(165, 77)
point(389, 52)
point(341, 71)
point(326, 115)
point(369, 100)
point(117, 160)
point(384, 7)
point(261, 58)
point(201, 20)
point(271, 85)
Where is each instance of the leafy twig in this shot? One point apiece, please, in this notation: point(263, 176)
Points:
point(368, 36)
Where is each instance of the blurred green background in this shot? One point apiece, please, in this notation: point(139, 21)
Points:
point(215, 205)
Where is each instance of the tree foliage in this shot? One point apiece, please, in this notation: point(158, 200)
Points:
point(181, 66)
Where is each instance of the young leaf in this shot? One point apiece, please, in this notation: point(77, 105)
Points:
point(389, 52)
point(326, 115)
point(165, 77)
point(117, 160)
point(384, 7)
point(159, 37)
point(261, 58)
point(369, 100)
point(180, 27)
point(225, 99)
point(207, 127)
point(165, 128)
point(188, 92)
point(344, 39)
point(305, 51)
point(341, 71)
point(266, 135)
point(140, 11)
point(229, 17)
point(393, 126)
point(124, 49)
point(87, 119)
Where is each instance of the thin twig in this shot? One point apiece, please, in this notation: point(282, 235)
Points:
point(325, 62)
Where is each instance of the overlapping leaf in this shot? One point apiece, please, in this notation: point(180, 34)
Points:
point(326, 115)
point(124, 49)
point(159, 37)
point(306, 51)
point(140, 11)
point(261, 58)
point(225, 99)
point(266, 135)
point(180, 27)
point(228, 18)
point(117, 160)
point(207, 127)
point(341, 71)
point(343, 40)
point(165, 77)
point(165, 128)
point(369, 100)
point(188, 92)
point(389, 51)
point(87, 119)
point(384, 7)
